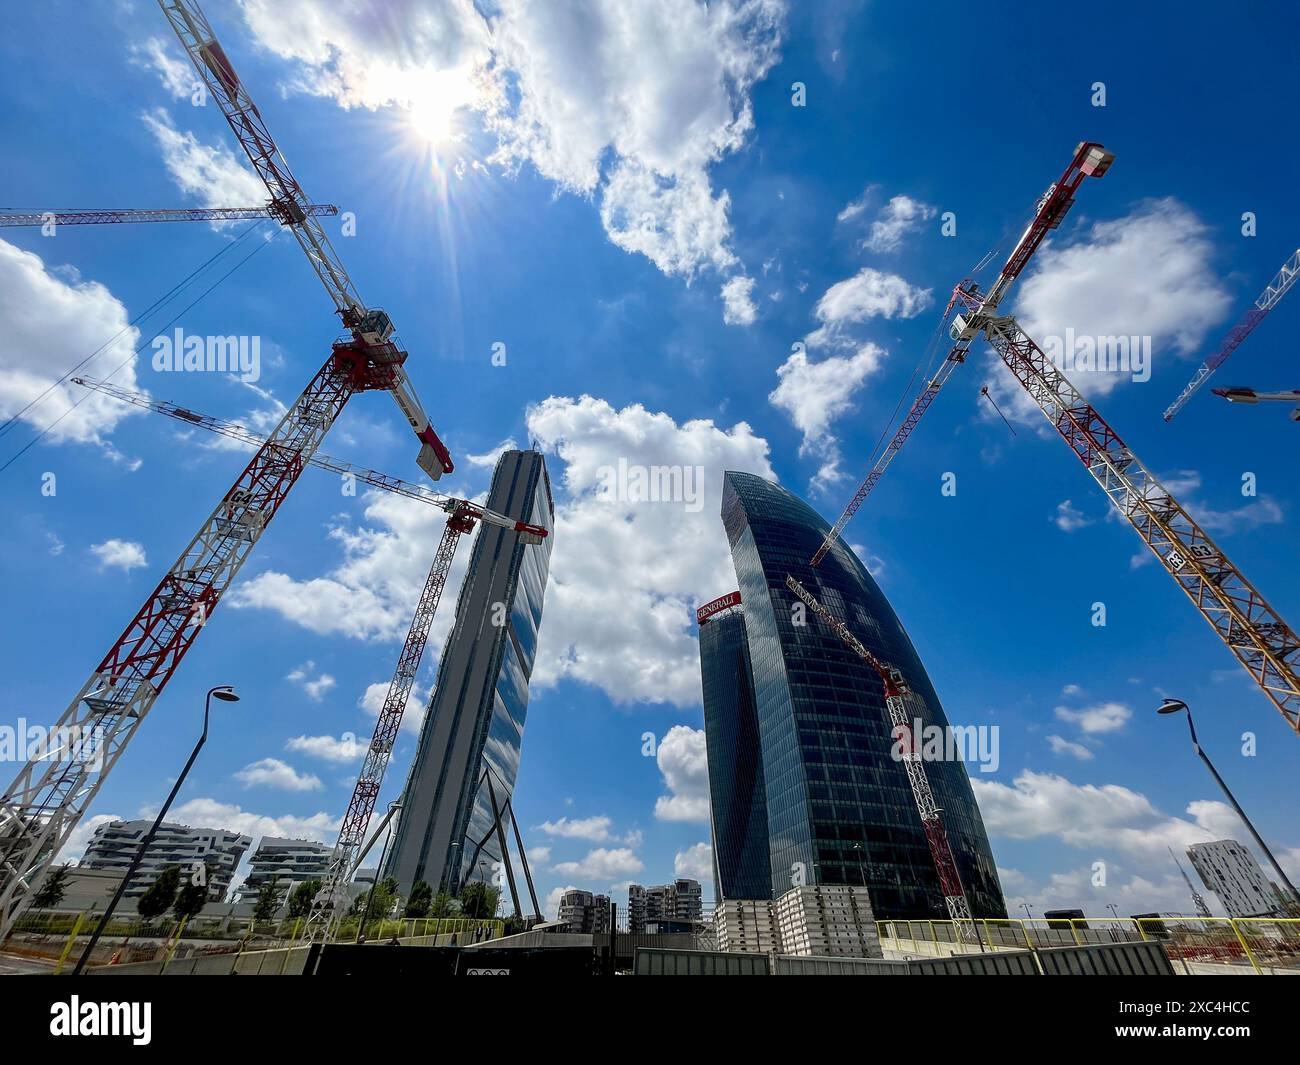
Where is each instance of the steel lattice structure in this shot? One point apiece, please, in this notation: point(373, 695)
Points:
point(39, 810)
point(1259, 639)
point(897, 694)
point(1090, 160)
point(183, 214)
point(1268, 299)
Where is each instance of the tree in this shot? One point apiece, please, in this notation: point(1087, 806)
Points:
point(303, 896)
point(443, 905)
point(268, 901)
point(479, 899)
point(53, 890)
point(189, 900)
point(421, 900)
point(161, 894)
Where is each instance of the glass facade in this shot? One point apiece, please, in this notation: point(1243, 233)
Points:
point(475, 721)
point(737, 797)
point(839, 807)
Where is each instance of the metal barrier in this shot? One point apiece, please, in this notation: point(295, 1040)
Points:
point(1123, 959)
point(1195, 945)
point(651, 962)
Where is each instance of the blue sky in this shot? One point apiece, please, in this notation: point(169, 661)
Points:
point(631, 202)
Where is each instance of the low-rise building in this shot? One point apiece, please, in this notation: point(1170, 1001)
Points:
point(217, 851)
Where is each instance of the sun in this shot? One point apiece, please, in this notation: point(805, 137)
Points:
point(431, 120)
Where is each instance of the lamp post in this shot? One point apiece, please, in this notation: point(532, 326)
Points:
point(226, 694)
point(1175, 706)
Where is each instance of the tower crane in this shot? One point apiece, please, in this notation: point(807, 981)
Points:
point(46, 799)
point(1265, 645)
point(1089, 160)
point(1268, 299)
point(461, 518)
point(1249, 397)
point(371, 328)
point(896, 694)
point(181, 214)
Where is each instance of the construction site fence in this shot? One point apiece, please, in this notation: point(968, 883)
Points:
point(1195, 945)
point(164, 944)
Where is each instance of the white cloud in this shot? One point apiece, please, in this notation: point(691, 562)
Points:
point(1069, 518)
point(1185, 486)
point(417, 704)
point(596, 829)
point(208, 812)
point(738, 301)
point(212, 174)
point(626, 574)
point(372, 593)
point(176, 75)
point(814, 394)
point(273, 773)
point(488, 459)
point(603, 864)
point(1149, 273)
point(1098, 817)
point(1104, 717)
point(684, 764)
point(900, 216)
point(539, 856)
point(55, 320)
point(629, 104)
point(317, 688)
point(125, 555)
point(867, 294)
point(1060, 745)
point(345, 748)
point(695, 862)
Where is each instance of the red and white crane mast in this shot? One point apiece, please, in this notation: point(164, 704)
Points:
point(371, 328)
point(896, 695)
point(47, 798)
point(1089, 160)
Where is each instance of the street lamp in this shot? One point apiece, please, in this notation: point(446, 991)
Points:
point(1175, 706)
point(226, 694)
point(1027, 913)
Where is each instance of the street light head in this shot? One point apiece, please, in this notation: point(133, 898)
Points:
point(1171, 706)
point(226, 694)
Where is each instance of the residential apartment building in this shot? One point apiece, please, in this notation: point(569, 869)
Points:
point(582, 912)
point(217, 851)
point(1228, 869)
point(287, 862)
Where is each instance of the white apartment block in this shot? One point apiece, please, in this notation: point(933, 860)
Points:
point(115, 844)
point(289, 862)
point(582, 912)
point(1229, 870)
point(746, 926)
point(827, 921)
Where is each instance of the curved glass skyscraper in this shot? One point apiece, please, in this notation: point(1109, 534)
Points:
point(475, 721)
point(838, 806)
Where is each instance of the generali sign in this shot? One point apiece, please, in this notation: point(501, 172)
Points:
point(709, 609)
